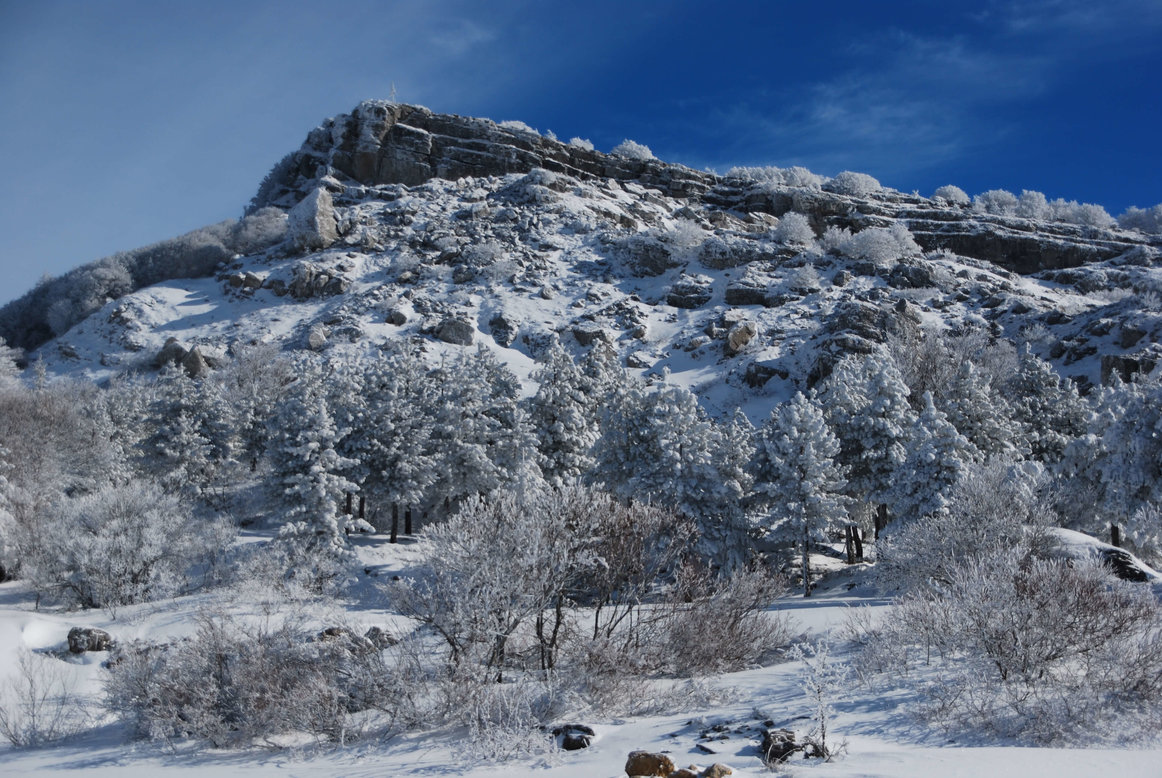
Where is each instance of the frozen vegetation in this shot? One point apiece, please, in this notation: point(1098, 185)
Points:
point(416, 470)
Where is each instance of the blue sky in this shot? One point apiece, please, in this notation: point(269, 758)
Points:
point(123, 123)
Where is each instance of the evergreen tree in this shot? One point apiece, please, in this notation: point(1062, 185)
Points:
point(980, 416)
point(936, 456)
point(866, 403)
point(1050, 411)
point(307, 468)
point(192, 436)
point(660, 446)
point(563, 415)
point(798, 483)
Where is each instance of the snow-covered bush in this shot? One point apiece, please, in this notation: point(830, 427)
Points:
point(632, 150)
point(881, 245)
point(118, 545)
point(233, 683)
point(798, 177)
point(853, 184)
point(40, 704)
point(1000, 202)
point(1148, 220)
point(952, 194)
point(1085, 214)
point(1037, 650)
point(517, 126)
point(581, 143)
point(794, 229)
point(1033, 205)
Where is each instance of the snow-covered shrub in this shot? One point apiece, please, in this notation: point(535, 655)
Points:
point(1000, 202)
point(798, 177)
point(1033, 205)
point(1148, 220)
point(1085, 214)
point(736, 605)
point(854, 184)
point(794, 229)
point(259, 229)
point(952, 194)
point(686, 239)
point(1037, 650)
point(882, 245)
point(824, 682)
point(804, 279)
point(581, 143)
point(40, 704)
point(232, 683)
point(835, 240)
point(517, 126)
point(632, 150)
point(118, 545)
point(996, 506)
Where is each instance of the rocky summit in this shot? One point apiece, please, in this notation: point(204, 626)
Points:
point(396, 222)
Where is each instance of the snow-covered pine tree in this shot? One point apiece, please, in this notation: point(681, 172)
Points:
point(192, 432)
point(982, 417)
point(563, 415)
point(660, 446)
point(936, 456)
point(1050, 411)
point(307, 469)
point(798, 486)
point(866, 404)
point(9, 372)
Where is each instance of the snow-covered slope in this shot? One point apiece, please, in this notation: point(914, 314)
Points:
point(528, 239)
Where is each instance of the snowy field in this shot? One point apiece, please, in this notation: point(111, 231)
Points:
point(881, 739)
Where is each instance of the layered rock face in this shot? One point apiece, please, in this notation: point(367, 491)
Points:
point(382, 143)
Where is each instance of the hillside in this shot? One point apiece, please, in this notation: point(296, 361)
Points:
point(404, 223)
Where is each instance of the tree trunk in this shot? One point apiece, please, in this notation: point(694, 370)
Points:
point(363, 506)
point(395, 522)
point(407, 521)
point(806, 568)
point(857, 538)
point(347, 507)
point(1115, 535)
point(849, 544)
point(881, 518)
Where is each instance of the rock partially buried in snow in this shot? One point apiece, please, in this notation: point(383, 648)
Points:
point(574, 737)
point(82, 639)
point(740, 336)
point(455, 331)
point(647, 763)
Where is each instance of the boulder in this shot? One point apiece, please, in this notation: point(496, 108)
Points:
point(455, 331)
point(379, 637)
point(649, 764)
point(588, 334)
point(574, 737)
point(194, 363)
point(778, 745)
point(83, 639)
point(171, 353)
point(690, 292)
point(316, 338)
point(503, 330)
point(311, 223)
point(716, 770)
point(740, 336)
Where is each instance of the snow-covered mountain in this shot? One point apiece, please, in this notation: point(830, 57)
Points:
point(396, 222)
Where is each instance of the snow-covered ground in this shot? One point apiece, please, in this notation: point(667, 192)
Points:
point(881, 739)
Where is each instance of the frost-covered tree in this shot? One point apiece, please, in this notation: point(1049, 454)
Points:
point(632, 150)
point(852, 183)
point(307, 469)
point(660, 446)
point(981, 416)
point(798, 485)
point(192, 432)
point(866, 403)
point(1050, 411)
point(1148, 220)
point(9, 371)
point(481, 435)
point(951, 194)
point(1000, 202)
point(564, 417)
point(1033, 205)
point(937, 454)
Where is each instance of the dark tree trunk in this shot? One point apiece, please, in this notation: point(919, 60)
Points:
point(395, 523)
point(347, 507)
point(1115, 535)
point(881, 518)
point(857, 537)
point(362, 506)
point(849, 544)
point(407, 521)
